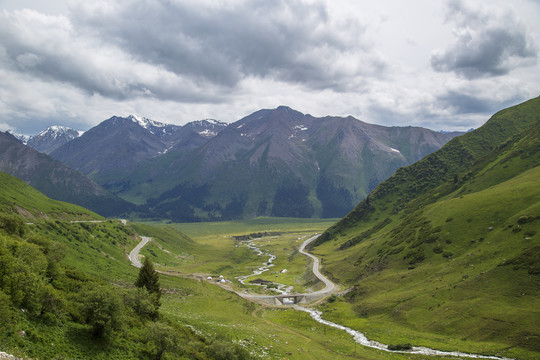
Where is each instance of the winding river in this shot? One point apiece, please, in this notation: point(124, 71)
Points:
point(359, 337)
point(281, 288)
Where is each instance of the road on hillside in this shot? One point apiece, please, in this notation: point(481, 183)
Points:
point(330, 286)
point(134, 254)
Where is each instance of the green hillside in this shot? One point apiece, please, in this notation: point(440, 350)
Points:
point(67, 288)
point(448, 249)
point(456, 157)
point(17, 197)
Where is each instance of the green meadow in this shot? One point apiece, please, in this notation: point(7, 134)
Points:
point(268, 332)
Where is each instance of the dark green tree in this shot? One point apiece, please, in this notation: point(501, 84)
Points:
point(148, 278)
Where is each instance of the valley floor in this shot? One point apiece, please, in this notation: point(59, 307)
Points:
point(290, 324)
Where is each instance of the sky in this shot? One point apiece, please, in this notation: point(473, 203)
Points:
point(440, 64)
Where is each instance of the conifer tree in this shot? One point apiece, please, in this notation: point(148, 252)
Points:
point(149, 278)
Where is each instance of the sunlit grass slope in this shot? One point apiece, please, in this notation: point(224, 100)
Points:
point(454, 265)
point(17, 197)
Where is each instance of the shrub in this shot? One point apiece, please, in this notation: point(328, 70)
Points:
point(102, 310)
point(13, 225)
point(163, 338)
point(415, 256)
point(400, 347)
point(524, 219)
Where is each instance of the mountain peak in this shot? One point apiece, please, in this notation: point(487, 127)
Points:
point(284, 108)
point(21, 137)
point(207, 128)
point(55, 131)
point(52, 138)
point(145, 122)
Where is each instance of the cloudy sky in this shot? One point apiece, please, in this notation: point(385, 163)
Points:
point(433, 63)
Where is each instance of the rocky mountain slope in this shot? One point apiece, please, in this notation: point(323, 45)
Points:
point(52, 138)
point(278, 162)
point(55, 179)
point(118, 145)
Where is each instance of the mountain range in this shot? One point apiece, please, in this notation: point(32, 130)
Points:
point(446, 251)
point(49, 139)
point(276, 162)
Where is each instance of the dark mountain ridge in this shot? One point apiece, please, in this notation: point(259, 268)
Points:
point(453, 159)
point(311, 166)
point(118, 145)
point(55, 179)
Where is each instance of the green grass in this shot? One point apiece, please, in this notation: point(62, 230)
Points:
point(17, 197)
point(456, 267)
point(214, 252)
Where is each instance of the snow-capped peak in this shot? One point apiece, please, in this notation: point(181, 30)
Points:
point(208, 122)
point(55, 130)
point(144, 122)
point(208, 127)
point(21, 137)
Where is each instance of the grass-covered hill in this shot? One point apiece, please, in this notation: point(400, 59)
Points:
point(449, 248)
point(67, 288)
point(17, 197)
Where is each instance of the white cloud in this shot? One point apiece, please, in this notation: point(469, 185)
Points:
point(177, 61)
point(486, 44)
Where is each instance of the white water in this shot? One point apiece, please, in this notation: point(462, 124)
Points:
point(363, 340)
point(281, 288)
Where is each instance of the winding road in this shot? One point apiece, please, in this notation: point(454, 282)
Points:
point(134, 254)
point(330, 286)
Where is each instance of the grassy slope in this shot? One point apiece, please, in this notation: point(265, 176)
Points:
point(456, 157)
point(456, 267)
point(48, 267)
point(16, 196)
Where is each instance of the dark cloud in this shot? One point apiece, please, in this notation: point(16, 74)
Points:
point(288, 41)
point(462, 103)
point(53, 49)
point(486, 45)
point(187, 52)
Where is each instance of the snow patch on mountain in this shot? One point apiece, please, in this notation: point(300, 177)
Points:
point(55, 131)
point(21, 137)
point(208, 133)
point(146, 123)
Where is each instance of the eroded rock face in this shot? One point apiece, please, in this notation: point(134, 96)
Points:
point(6, 356)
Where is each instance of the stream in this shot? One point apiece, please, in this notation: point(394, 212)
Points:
point(359, 337)
point(281, 288)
